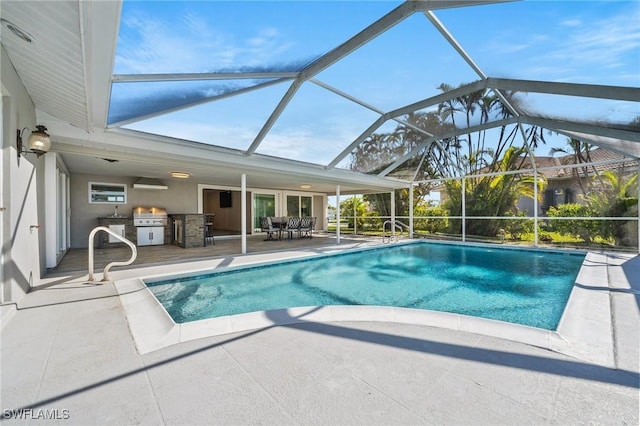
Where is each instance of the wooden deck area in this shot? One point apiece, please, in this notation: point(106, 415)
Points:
point(76, 260)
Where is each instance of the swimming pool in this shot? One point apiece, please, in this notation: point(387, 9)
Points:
point(528, 287)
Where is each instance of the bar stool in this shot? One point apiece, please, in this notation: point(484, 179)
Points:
point(208, 229)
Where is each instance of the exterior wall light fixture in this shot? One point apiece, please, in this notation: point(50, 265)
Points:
point(38, 143)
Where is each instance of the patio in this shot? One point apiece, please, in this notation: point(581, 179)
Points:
point(68, 352)
point(461, 114)
point(76, 259)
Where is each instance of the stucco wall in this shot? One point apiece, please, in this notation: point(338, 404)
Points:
point(181, 197)
point(23, 247)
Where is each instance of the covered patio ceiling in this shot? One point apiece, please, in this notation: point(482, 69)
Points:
point(217, 89)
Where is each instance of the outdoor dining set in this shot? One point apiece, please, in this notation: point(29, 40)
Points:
point(274, 227)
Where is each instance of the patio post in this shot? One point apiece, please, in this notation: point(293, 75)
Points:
point(338, 214)
point(411, 210)
point(243, 211)
point(535, 208)
point(393, 213)
point(355, 226)
point(464, 208)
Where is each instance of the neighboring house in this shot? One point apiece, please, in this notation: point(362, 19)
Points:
point(563, 183)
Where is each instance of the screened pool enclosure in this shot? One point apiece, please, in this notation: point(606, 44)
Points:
point(493, 120)
point(502, 109)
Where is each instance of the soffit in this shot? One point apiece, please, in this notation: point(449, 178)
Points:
point(52, 66)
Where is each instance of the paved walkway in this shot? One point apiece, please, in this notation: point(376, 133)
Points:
point(74, 357)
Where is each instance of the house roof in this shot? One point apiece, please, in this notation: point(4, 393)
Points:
point(601, 159)
point(96, 108)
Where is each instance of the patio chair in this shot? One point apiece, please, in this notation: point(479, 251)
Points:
point(305, 227)
point(293, 225)
point(313, 226)
point(268, 227)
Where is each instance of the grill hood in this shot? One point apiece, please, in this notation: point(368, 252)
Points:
point(149, 183)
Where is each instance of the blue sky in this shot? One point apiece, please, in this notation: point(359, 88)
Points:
point(594, 42)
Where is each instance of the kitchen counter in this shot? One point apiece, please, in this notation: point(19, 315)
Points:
point(115, 223)
point(188, 229)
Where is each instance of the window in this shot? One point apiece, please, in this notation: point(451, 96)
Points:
point(299, 206)
point(109, 193)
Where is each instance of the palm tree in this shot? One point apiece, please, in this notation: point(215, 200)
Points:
point(492, 195)
point(618, 198)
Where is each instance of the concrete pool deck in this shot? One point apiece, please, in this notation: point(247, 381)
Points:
point(79, 347)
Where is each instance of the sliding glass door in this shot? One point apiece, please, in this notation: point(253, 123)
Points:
point(263, 205)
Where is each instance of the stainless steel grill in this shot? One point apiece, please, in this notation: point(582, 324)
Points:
point(149, 216)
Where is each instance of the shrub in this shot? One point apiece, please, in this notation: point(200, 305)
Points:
point(434, 225)
point(585, 229)
point(517, 227)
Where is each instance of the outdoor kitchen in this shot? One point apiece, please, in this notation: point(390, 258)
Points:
point(151, 226)
point(145, 226)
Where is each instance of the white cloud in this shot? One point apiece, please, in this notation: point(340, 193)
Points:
point(571, 23)
point(191, 43)
point(607, 43)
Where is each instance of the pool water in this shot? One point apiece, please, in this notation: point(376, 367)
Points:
point(527, 287)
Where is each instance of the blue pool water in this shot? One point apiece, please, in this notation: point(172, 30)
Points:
point(521, 286)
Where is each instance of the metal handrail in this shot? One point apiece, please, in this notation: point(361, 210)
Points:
point(394, 226)
point(402, 225)
point(105, 272)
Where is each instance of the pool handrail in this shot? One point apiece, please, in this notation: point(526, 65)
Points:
point(105, 272)
point(394, 224)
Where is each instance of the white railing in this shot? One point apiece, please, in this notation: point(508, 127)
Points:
point(393, 225)
point(105, 272)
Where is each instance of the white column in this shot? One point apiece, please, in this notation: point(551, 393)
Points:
point(338, 214)
point(393, 213)
point(51, 207)
point(411, 210)
point(638, 220)
point(535, 209)
point(464, 208)
point(243, 211)
point(355, 227)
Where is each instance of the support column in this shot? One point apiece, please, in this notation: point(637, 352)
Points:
point(338, 214)
point(535, 209)
point(411, 210)
point(393, 213)
point(464, 209)
point(243, 211)
point(355, 226)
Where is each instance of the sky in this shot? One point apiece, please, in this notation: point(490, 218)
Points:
point(592, 42)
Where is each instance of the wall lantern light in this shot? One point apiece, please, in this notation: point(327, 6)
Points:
point(38, 143)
